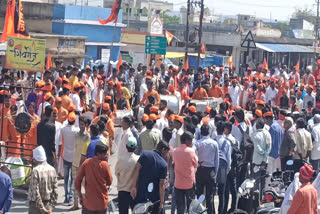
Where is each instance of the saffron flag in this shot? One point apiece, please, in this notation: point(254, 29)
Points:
point(119, 62)
point(14, 24)
point(230, 61)
point(114, 13)
point(169, 36)
point(297, 67)
point(49, 62)
point(265, 64)
point(203, 48)
point(186, 64)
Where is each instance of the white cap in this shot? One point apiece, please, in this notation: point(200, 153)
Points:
point(39, 154)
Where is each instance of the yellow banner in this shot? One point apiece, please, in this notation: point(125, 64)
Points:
point(25, 54)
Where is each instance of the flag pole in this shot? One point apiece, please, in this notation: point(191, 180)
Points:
point(109, 68)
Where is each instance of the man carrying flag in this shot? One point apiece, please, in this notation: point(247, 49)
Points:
point(14, 24)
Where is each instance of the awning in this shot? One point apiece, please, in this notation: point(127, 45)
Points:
point(105, 44)
point(171, 55)
point(284, 48)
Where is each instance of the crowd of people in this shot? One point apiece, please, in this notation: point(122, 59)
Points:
point(265, 118)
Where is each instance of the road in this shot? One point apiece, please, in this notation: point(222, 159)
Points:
point(20, 202)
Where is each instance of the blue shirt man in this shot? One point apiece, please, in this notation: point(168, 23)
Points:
point(6, 195)
point(153, 169)
point(276, 136)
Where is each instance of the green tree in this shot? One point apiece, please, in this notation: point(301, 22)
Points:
point(169, 19)
point(144, 12)
point(282, 26)
point(306, 14)
point(207, 11)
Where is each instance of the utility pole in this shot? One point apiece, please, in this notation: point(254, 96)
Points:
point(316, 31)
point(187, 31)
point(200, 31)
point(128, 16)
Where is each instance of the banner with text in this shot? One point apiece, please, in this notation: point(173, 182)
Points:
point(26, 54)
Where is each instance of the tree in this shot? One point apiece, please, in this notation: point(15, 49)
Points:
point(207, 11)
point(144, 11)
point(305, 13)
point(169, 19)
point(282, 26)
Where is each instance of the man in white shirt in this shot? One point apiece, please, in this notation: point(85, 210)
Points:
point(126, 133)
point(244, 95)
point(315, 153)
point(76, 98)
point(124, 170)
point(48, 100)
point(304, 145)
point(235, 91)
point(309, 97)
point(58, 141)
point(97, 94)
point(69, 134)
point(271, 94)
point(238, 132)
point(299, 101)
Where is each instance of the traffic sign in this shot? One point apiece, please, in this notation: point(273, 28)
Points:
point(248, 42)
point(156, 45)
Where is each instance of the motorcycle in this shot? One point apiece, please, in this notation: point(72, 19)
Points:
point(146, 207)
point(274, 194)
point(248, 196)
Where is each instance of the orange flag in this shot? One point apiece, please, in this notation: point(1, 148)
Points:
point(169, 36)
point(14, 24)
point(49, 62)
point(114, 13)
point(265, 64)
point(297, 67)
point(119, 62)
point(186, 64)
point(203, 48)
point(230, 61)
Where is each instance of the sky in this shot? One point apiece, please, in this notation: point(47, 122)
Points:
point(276, 9)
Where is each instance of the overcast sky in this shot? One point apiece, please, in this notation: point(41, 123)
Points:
point(278, 9)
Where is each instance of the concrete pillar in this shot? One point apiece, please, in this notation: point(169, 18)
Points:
point(236, 58)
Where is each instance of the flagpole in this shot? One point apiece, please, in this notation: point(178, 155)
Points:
point(111, 49)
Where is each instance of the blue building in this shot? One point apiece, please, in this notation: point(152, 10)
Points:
point(83, 21)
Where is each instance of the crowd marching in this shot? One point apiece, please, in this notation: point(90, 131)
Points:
point(265, 118)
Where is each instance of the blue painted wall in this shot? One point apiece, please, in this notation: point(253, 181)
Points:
point(95, 33)
point(82, 12)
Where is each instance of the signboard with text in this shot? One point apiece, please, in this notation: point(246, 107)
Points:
point(156, 45)
point(105, 55)
point(25, 54)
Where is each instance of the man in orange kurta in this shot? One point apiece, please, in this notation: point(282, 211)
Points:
point(6, 116)
point(109, 124)
point(305, 199)
point(62, 112)
point(30, 138)
point(14, 137)
point(200, 93)
point(308, 78)
point(65, 99)
point(215, 91)
point(150, 92)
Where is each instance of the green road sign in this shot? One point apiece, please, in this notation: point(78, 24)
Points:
point(156, 45)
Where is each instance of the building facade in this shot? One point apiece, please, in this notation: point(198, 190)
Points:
point(103, 40)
